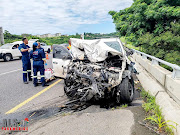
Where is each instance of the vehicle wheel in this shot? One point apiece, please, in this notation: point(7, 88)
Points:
point(7, 57)
point(48, 51)
point(126, 90)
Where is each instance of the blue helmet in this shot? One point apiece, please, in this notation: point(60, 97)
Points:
point(35, 44)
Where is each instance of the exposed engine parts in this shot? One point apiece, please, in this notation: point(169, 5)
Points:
point(94, 81)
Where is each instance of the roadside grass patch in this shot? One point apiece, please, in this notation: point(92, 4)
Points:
point(154, 115)
point(124, 106)
point(128, 44)
point(120, 107)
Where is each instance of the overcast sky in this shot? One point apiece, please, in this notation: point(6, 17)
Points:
point(59, 16)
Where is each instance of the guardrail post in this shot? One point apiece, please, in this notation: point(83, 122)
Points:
point(144, 56)
point(138, 53)
point(176, 74)
point(155, 62)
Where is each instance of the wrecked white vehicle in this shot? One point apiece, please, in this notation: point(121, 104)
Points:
point(95, 69)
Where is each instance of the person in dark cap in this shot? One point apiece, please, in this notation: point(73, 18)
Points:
point(24, 48)
point(38, 56)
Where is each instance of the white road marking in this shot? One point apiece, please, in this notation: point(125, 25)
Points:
point(10, 72)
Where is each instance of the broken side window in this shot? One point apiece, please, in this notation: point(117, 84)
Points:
point(61, 53)
point(114, 44)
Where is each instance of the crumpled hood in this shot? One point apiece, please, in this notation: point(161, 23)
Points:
point(96, 50)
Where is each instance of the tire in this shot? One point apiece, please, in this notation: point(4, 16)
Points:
point(49, 50)
point(7, 57)
point(126, 90)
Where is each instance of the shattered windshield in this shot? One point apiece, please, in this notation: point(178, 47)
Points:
point(114, 44)
point(6, 46)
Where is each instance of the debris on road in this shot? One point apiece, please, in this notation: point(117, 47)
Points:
point(74, 107)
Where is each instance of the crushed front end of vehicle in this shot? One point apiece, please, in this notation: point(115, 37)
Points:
point(99, 72)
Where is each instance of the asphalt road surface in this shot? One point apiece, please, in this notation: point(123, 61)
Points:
point(41, 105)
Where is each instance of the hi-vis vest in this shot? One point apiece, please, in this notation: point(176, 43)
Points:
point(69, 47)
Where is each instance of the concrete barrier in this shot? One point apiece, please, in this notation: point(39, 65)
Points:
point(148, 82)
point(163, 76)
point(173, 88)
point(159, 73)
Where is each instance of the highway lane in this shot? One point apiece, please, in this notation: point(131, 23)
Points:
point(13, 65)
point(13, 90)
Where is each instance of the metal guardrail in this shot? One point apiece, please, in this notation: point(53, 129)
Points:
point(156, 61)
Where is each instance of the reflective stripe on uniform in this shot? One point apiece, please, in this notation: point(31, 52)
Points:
point(44, 59)
point(21, 49)
point(42, 76)
point(24, 71)
point(28, 70)
point(34, 77)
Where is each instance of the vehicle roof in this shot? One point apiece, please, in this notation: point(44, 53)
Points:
point(20, 42)
point(9, 44)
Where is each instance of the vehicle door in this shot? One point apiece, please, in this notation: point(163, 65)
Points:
point(15, 51)
point(43, 45)
point(61, 60)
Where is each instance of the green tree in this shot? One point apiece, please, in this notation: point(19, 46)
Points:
point(152, 24)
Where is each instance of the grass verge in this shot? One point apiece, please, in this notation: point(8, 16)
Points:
point(154, 115)
point(128, 44)
point(120, 107)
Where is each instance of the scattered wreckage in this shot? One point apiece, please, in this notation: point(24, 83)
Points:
point(95, 70)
